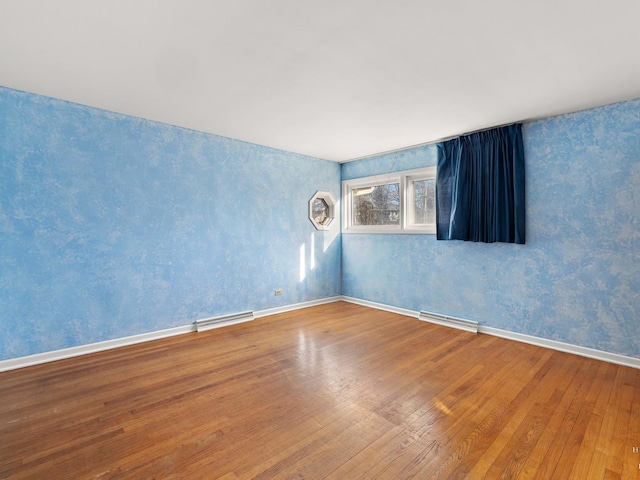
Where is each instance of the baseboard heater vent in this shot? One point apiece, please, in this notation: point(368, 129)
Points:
point(453, 322)
point(215, 322)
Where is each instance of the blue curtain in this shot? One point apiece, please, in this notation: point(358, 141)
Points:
point(480, 187)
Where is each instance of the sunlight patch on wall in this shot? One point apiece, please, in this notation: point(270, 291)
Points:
point(332, 234)
point(312, 256)
point(303, 268)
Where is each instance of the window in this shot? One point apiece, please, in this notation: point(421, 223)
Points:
point(322, 210)
point(377, 205)
point(401, 202)
point(421, 200)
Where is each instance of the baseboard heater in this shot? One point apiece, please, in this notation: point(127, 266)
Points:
point(447, 321)
point(215, 322)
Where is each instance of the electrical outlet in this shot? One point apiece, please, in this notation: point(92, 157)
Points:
point(278, 292)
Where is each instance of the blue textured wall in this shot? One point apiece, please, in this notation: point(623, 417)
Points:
point(113, 226)
point(577, 279)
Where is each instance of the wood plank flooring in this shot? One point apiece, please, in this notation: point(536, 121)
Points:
point(338, 391)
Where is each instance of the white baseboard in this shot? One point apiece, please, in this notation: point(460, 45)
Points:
point(381, 306)
point(21, 362)
point(520, 337)
point(296, 306)
point(38, 358)
point(564, 347)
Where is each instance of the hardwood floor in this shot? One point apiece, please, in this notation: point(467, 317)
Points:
point(337, 391)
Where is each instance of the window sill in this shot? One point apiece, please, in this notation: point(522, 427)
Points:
point(395, 231)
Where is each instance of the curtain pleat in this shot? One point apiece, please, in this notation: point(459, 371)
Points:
point(480, 187)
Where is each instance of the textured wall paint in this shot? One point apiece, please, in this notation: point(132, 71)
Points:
point(112, 226)
point(577, 279)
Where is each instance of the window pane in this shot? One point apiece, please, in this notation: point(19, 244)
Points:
point(320, 211)
point(424, 201)
point(379, 205)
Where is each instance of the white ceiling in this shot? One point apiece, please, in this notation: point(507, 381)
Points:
point(335, 79)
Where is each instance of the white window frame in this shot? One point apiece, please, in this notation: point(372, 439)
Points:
point(405, 180)
point(409, 179)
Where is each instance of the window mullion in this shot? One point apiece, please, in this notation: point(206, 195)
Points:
point(403, 202)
